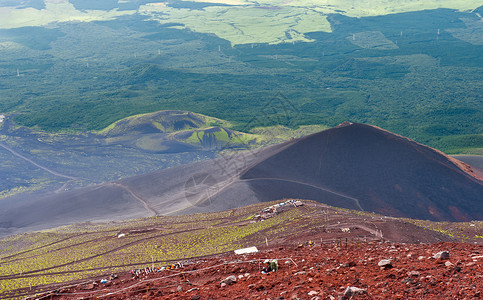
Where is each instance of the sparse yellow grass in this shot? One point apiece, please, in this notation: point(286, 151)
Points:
point(172, 238)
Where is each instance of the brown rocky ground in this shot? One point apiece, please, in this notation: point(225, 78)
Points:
point(319, 271)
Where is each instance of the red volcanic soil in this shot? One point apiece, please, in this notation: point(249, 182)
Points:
point(320, 271)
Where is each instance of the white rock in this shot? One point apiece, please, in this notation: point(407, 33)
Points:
point(385, 263)
point(352, 290)
point(441, 255)
point(229, 280)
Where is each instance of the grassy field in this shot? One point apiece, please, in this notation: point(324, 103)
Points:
point(245, 22)
point(54, 11)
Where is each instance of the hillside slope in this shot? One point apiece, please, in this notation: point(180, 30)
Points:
point(39, 262)
point(377, 170)
point(353, 166)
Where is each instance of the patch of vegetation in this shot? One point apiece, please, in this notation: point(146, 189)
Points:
point(463, 231)
point(461, 144)
point(85, 250)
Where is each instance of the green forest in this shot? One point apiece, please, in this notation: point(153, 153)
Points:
point(417, 74)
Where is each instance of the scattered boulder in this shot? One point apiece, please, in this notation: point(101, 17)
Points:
point(442, 255)
point(385, 264)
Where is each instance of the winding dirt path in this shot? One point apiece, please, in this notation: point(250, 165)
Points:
point(225, 185)
point(356, 201)
point(36, 164)
point(135, 196)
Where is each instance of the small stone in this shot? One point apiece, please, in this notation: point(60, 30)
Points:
point(240, 276)
point(414, 273)
point(223, 284)
point(180, 288)
point(441, 255)
point(191, 290)
point(352, 290)
point(229, 280)
point(89, 286)
point(385, 263)
point(301, 273)
point(312, 293)
point(448, 264)
point(196, 297)
point(421, 257)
